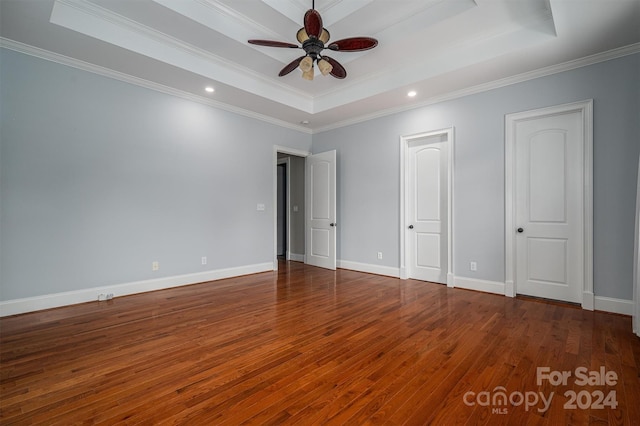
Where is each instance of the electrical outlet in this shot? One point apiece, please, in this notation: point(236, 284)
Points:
point(473, 266)
point(204, 260)
point(155, 266)
point(260, 207)
point(102, 297)
point(109, 296)
point(379, 255)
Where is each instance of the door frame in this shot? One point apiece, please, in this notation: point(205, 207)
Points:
point(404, 198)
point(585, 108)
point(284, 150)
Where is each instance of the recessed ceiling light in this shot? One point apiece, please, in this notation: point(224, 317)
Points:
point(305, 122)
point(412, 93)
point(209, 89)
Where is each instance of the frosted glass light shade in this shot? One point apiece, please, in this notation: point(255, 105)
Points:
point(324, 67)
point(302, 35)
point(306, 64)
point(324, 37)
point(308, 75)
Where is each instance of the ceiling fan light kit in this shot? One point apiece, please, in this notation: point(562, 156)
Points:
point(314, 38)
point(324, 67)
point(306, 64)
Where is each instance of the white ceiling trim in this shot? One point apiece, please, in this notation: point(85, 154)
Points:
point(338, 10)
point(450, 59)
point(102, 24)
point(436, 11)
point(226, 21)
point(97, 22)
point(105, 72)
point(543, 72)
point(291, 9)
point(126, 78)
point(492, 85)
point(332, 12)
point(425, 14)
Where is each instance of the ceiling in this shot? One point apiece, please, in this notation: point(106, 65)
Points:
point(438, 48)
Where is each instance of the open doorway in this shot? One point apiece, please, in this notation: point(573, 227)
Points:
point(289, 205)
point(282, 208)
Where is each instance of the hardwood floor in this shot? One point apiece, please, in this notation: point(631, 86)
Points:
point(310, 346)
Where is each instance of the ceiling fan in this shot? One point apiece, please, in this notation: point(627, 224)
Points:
point(314, 39)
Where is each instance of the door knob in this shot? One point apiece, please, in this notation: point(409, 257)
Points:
point(520, 230)
point(410, 226)
point(332, 224)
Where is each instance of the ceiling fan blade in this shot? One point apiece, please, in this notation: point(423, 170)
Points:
point(313, 23)
point(272, 43)
point(292, 66)
point(353, 44)
point(338, 70)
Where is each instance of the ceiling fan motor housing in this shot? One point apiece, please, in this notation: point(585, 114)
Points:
point(313, 46)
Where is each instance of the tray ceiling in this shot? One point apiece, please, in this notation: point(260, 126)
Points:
point(435, 47)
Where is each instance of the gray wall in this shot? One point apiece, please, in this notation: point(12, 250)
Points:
point(99, 178)
point(369, 171)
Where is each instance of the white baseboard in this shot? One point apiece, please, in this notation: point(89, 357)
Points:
point(296, 257)
point(600, 303)
point(30, 304)
point(616, 306)
point(48, 301)
point(369, 268)
point(479, 285)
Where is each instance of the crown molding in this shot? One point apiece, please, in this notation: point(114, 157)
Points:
point(485, 87)
point(95, 21)
point(116, 75)
point(520, 78)
point(460, 54)
point(228, 13)
point(227, 21)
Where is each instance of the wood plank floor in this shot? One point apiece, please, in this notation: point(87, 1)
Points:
point(310, 346)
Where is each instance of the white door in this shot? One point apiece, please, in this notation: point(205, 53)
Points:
point(549, 206)
point(427, 209)
point(321, 210)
